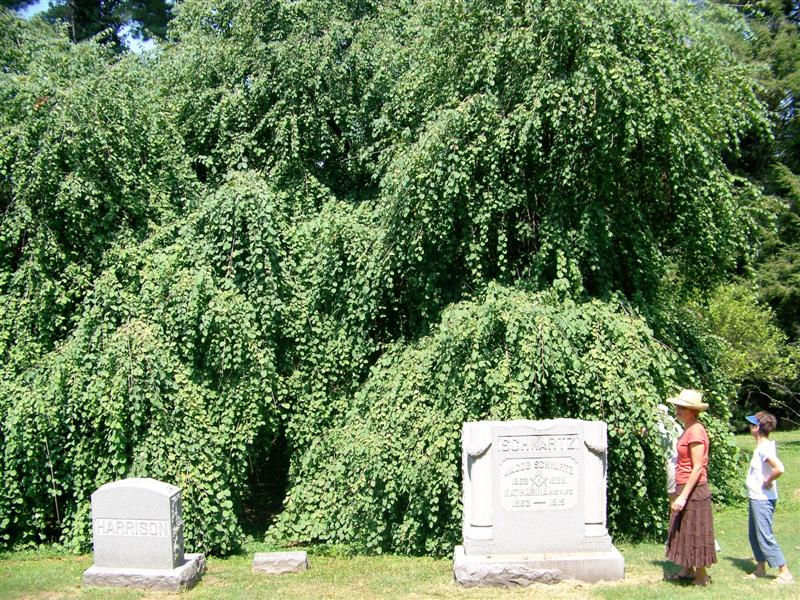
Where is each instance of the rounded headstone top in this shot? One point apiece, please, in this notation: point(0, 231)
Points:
point(141, 483)
point(538, 424)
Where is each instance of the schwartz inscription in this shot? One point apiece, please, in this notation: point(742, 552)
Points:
point(539, 443)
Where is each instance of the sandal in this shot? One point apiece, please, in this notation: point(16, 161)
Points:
point(754, 576)
point(784, 580)
point(678, 577)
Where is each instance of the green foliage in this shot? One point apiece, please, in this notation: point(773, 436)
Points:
point(755, 353)
point(84, 19)
point(769, 42)
point(509, 173)
point(87, 154)
point(754, 347)
point(168, 375)
point(499, 139)
point(389, 478)
point(356, 225)
point(768, 39)
point(778, 273)
point(779, 278)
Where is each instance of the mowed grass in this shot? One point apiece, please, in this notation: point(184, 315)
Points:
point(48, 574)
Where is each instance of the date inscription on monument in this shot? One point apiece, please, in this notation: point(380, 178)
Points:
point(549, 483)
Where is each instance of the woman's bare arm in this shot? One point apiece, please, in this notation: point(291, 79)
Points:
point(696, 453)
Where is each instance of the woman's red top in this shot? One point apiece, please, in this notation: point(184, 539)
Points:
point(695, 433)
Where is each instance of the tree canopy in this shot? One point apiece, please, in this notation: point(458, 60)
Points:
point(764, 34)
point(346, 227)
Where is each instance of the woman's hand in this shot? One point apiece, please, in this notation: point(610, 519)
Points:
point(777, 470)
point(679, 504)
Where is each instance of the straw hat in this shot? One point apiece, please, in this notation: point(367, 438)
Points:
point(689, 399)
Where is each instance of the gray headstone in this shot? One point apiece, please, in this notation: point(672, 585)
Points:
point(137, 533)
point(137, 523)
point(535, 488)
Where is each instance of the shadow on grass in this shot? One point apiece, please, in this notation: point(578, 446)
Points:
point(745, 565)
point(670, 572)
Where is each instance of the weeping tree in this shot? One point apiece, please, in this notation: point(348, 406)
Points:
point(350, 226)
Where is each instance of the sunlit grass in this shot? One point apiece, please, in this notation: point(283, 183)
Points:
point(48, 574)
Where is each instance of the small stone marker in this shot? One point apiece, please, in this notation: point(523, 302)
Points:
point(535, 504)
point(275, 563)
point(137, 533)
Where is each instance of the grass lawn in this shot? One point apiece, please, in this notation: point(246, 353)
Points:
point(47, 574)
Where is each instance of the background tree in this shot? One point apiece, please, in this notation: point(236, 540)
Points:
point(143, 19)
point(769, 42)
point(755, 350)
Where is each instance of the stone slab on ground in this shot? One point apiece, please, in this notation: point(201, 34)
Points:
point(275, 563)
point(517, 570)
point(180, 578)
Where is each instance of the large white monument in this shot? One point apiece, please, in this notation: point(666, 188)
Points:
point(535, 504)
point(137, 533)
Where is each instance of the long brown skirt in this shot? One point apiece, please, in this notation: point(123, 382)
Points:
point(691, 531)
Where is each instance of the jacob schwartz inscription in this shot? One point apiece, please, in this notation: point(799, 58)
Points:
point(538, 484)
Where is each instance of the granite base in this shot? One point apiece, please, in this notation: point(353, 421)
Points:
point(169, 580)
point(517, 570)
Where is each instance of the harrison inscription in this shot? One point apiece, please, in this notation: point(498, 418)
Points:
point(131, 527)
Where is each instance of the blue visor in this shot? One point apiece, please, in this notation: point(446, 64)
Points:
point(752, 419)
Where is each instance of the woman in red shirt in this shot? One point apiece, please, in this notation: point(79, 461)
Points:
point(691, 532)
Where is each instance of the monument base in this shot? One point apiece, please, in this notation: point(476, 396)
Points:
point(168, 580)
point(518, 570)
